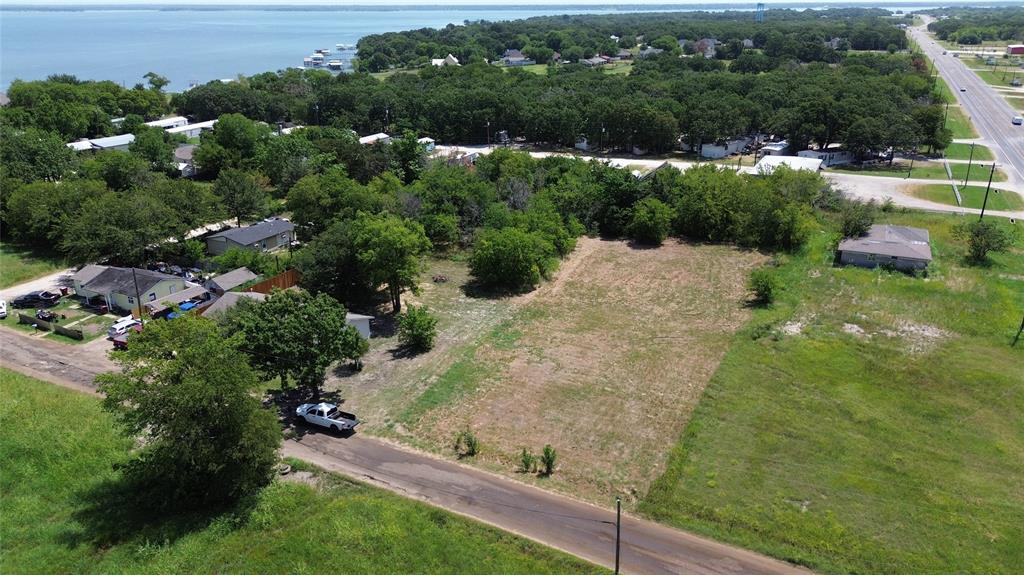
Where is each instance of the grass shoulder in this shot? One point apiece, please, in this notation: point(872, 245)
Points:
point(20, 264)
point(58, 483)
point(972, 196)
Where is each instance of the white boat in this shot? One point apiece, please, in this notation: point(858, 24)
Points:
point(344, 46)
point(334, 64)
point(324, 51)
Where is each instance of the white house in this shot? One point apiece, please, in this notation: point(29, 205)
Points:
point(833, 155)
point(172, 122)
point(360, 322)
point(192, 130)
point(448, 60)
point(427, 143)
point(775, 148)
point(768, 164)
point(727, 148)
point(379, 137)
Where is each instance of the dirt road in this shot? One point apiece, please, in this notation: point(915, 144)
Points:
point(575, 527)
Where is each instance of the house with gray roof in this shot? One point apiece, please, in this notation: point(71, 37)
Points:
point(269, 234)
point(898, 247)
point(122, 288)
point(228, 281)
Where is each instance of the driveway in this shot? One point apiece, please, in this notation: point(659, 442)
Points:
point(555, 520)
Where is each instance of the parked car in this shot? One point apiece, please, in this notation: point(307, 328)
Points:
point(3, 309)
point(47, 315)
point(327, 415)
point(121, 341)
point(1017, 120)
point(122, 326)
point(36, 299)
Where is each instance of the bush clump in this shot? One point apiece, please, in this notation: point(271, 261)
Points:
point(764, 284)
point(417, 328)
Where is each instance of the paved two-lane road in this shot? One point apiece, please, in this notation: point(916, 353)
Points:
point(989, 112)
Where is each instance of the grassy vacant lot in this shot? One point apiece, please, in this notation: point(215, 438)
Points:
point(972, 196)
point(19, 264)
point(605, 363)
point(1000, 77)
point(963, 152)
point(61, 513)
point(925, 171)
point(960, 124)
point(868, 421)
point(1017, 102)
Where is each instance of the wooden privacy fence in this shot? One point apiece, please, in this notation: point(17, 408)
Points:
point(47, 326)
point(283, 280)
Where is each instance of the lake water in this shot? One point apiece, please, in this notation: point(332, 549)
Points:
point(196, 46)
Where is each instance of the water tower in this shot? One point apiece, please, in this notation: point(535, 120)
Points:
point(759, 15)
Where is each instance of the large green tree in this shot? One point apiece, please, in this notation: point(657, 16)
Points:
point(390, 251)
point(186, 393)
point(296, 336)
point(241, 194)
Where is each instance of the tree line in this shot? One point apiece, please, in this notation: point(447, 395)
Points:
point(973, 26)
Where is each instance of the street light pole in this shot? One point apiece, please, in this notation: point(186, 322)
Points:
point(618, 531)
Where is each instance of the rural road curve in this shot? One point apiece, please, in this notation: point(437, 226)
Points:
point(578, 528)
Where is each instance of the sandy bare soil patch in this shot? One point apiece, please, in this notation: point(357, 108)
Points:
point(605, 363)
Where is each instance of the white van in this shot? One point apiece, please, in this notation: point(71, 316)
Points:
point(1017, 120)
point(122, 326)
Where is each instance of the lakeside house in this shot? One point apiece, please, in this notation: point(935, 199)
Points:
point(378, 138)
point(448, 60)
point(898, 247)
point(192, 130)
point(122, 143)
point(172, 122)
point(269, 234)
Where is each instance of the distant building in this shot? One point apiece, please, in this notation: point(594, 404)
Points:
point(183, 160)
point(725, 148)
point(748, 43)
point(648, 52)
point(378, 138)
point(624, 54)
point(707, 47)
point(448, 60)
point(172, 122)
point(192, 130)
point(899, 247)
point(775, 148)
point(228, 281)
point(427, 143)
point(593, 62)
point(835, 43)
point(122, 143)
point(833, 155)
point(1014, 49)
point(266, 235)
point(768, 164)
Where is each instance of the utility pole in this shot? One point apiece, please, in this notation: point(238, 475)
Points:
point(488, 133)
point(989, 187)
point(945, 115)
point(971, 159)
point(138, 299)
point(618, 528)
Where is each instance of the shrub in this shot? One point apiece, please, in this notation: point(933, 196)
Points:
point(764, 284)
point(511, 258)
point(651, 221)
point(857, 217)
point(547, 459)
point(527, 461)
point(983, 236)
point(466, 444)
point(417, 328)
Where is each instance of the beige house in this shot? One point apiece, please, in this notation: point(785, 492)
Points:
point(122, 288)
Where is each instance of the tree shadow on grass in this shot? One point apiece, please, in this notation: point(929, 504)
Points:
point(123, 510)
point(478, 290)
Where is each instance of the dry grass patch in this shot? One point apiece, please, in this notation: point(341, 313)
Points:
point(605, 363)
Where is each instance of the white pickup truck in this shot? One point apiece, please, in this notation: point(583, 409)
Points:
point(327, 415)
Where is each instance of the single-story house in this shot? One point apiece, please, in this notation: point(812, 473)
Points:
point(379, 137)
point(708, 47)
point(649, 51)
point(192, 130)
point(775, 148)
point(593, 62)
point(188, 299)
point(720, 150)
point(172, 122)
point(448, 60)
point(900, 247)
point(266, 235)
point(768, 164)
point(748, 43)
point(230, 300)
point(427, 143)
point(624, 54)
point(183, 159)
point(228, 281)
point(833, 155)
point(122, 142)
point(121, 287)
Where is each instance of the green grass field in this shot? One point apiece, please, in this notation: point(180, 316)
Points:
point(960, 124)
point(19, 264)
point(1000, 77)
point(1017, 102)
point(61, 513)
point(926, 171)
point(963, 152)
point(972, 196)
point(943, 88)
point(868, 421)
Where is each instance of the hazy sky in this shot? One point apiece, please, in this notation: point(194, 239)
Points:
point(436, 2)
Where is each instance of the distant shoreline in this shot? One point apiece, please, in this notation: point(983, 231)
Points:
point(669, 6)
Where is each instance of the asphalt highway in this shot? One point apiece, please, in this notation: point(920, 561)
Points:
point(988, 110)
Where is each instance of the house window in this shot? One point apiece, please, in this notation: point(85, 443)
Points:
point(152, 297)
point(131, 299)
